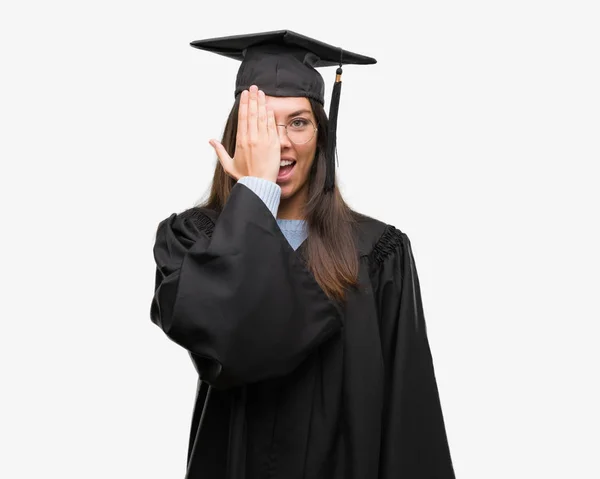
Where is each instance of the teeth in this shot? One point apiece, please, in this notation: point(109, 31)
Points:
point(285, 163)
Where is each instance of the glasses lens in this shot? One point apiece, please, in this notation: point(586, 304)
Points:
point(300, 130)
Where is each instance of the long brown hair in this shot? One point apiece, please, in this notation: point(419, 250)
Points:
point(332, 256)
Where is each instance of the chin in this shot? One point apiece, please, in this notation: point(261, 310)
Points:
point(291, 189)
point(287, 191)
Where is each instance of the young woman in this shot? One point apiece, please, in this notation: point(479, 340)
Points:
point(303, 318)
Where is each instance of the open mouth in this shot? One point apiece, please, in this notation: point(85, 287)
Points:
point(286, 169)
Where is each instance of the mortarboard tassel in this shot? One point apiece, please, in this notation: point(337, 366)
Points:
point(331, 138)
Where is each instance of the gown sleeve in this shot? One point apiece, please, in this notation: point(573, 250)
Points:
point(414, 442)
point(236, 295)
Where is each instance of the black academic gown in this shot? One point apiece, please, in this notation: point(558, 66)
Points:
point(298, 386)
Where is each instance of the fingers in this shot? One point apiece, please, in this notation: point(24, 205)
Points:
point(226, 161)
point(262, 112)
point(253, 114)
point(257, 141)
point(242, 127)
point(272, 126)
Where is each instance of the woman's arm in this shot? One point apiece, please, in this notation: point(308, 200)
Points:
point(239, 297)
point(414, 442)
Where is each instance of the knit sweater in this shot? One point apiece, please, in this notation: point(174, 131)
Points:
point(295, 231)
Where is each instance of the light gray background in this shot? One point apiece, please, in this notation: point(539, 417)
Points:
point(477, 134)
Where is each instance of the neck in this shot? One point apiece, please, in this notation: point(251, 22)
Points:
point(292, 208)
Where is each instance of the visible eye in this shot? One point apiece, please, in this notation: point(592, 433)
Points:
point(299, 124)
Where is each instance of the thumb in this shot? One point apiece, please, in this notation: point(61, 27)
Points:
point(224, 158)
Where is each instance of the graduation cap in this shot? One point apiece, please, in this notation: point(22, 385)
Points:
point(283, 63)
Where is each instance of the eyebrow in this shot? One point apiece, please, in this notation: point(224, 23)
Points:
point(299, 112)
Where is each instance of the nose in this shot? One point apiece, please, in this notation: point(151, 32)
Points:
point(284, 140)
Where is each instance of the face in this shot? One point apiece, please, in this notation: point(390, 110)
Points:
point(294, 110)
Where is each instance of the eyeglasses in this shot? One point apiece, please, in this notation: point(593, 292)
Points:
point(300, 130)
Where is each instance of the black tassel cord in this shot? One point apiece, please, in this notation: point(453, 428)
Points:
point(332, 136)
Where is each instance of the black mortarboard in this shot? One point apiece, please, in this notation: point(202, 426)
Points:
point(282, 63)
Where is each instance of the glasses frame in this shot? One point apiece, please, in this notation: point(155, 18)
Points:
point(315, 129)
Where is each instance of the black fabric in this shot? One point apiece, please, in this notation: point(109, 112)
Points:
point(353, 393)
point(206, 284)
point(281, 62)
point(331, 150)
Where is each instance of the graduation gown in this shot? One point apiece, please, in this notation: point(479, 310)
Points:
point(292, 385)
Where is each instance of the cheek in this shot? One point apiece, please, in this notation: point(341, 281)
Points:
point(306, 155)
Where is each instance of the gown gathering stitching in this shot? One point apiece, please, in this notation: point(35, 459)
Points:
point(200, 220)
point(386, 245)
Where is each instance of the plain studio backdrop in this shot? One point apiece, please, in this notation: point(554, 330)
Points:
point(476, 133)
